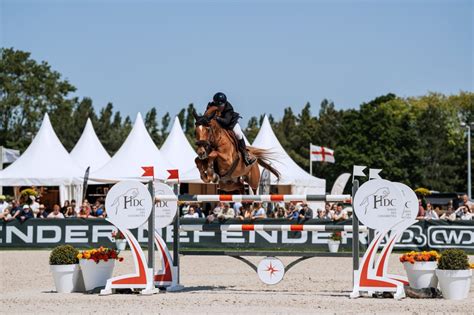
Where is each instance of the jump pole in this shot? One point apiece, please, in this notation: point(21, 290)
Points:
point(252, 227)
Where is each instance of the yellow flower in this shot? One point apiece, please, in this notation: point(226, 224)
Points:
point(87, 255)
point(79, 256)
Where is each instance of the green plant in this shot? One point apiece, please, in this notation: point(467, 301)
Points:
point(25, 193)
point(422, 191)
point(336, 236)
point(453, 259)
point(63, 255)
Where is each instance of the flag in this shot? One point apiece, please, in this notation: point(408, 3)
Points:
point(174, 174)
point(359, 171)
point(321, 154)
point(148, 171)
point(374, 173)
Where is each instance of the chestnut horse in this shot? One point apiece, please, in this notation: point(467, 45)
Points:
point(220, 162)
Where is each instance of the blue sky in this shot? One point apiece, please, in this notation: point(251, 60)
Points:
point(265, 56)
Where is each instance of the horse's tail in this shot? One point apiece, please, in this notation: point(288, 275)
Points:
point(264, 158)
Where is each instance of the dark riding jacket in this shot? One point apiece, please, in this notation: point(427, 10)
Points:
point(228, 118)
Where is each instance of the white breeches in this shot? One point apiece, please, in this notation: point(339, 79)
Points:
point(238, 132)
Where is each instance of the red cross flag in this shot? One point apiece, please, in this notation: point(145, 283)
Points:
point(321, 154)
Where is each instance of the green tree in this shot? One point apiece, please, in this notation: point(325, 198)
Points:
point(151, 125)
point(28, 90)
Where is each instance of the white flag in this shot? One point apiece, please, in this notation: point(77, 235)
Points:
point(374, 173)
point(358, 171)
point(321, 154)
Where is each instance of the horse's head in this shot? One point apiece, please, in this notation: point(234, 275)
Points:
point(203, 134)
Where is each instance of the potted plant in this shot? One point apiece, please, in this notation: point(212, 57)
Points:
point(420, 268)
point(97, 266)
point(334, 241)
point(120, 241)
point(65, 269)
point(454, 274)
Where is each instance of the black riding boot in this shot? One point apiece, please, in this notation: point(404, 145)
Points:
point(245, 153)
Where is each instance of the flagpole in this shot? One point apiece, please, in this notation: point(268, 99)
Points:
point(310, 161)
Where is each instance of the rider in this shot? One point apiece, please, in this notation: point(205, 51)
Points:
point(229, 120)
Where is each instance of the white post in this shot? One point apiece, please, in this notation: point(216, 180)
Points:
point(310, 161)
point(469, 161)
point(1, 167)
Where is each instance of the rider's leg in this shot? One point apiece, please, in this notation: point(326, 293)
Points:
point(242, 147)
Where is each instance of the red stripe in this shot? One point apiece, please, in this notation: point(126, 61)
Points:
point(276, 197)
point(247, 227)
point(297, 227)
point(226, 198)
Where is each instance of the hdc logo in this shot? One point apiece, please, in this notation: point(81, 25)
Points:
point(383, 202)
point(130, 201)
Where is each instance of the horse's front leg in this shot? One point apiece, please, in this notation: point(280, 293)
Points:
point(210, 170)
point(202, 166)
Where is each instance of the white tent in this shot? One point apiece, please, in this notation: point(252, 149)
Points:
point(138, 150)
point(291, 174)
point(46, 163)
point(88, 151)
point(177, 150)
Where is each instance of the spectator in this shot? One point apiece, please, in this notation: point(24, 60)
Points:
point(421, 211)
point(25, 213)
point(3, 203)
point(340, 213)
point(42, 214)
point(449, 215)
point(70, 213)
point(34, 205)
point(218, 208)
point(237, 208)
point(66, 205)
point(466, 202)
point(246, 213)
point(463, 213)
point(185, 208)
point(259, 211)
point(323, 215)
point(280, 213)
point(191, 213)
point(56, 213)
point(430, 214)
point(74, 205)
point(15, 209)
point(97, 211)
point(327, 210)
point(292, 213)
point(85, 212)
point(5, 215)
point(226, 212)
point(198, 210)
point(306, 213)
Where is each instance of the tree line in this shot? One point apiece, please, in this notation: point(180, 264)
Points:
point(415, 140)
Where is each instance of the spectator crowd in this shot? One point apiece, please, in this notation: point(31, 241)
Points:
point(299, 212)
point(33, 208)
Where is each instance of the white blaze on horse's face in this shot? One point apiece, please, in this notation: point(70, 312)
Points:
point(202, 136)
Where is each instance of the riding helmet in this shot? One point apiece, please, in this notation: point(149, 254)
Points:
point(219, 98)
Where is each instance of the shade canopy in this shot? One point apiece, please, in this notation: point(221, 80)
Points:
point(137, 151)
point(291, 173)
point(44, 163)
point(177, 150)
point(89, 151)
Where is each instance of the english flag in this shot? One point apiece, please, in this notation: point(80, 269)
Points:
point(148, 171)
point(321, 154)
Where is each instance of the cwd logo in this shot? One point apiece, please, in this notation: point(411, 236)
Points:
point(451, 236)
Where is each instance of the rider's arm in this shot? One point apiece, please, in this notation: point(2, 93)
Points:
point(225, 119)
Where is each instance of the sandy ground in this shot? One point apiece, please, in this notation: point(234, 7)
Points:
point(214, 285)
